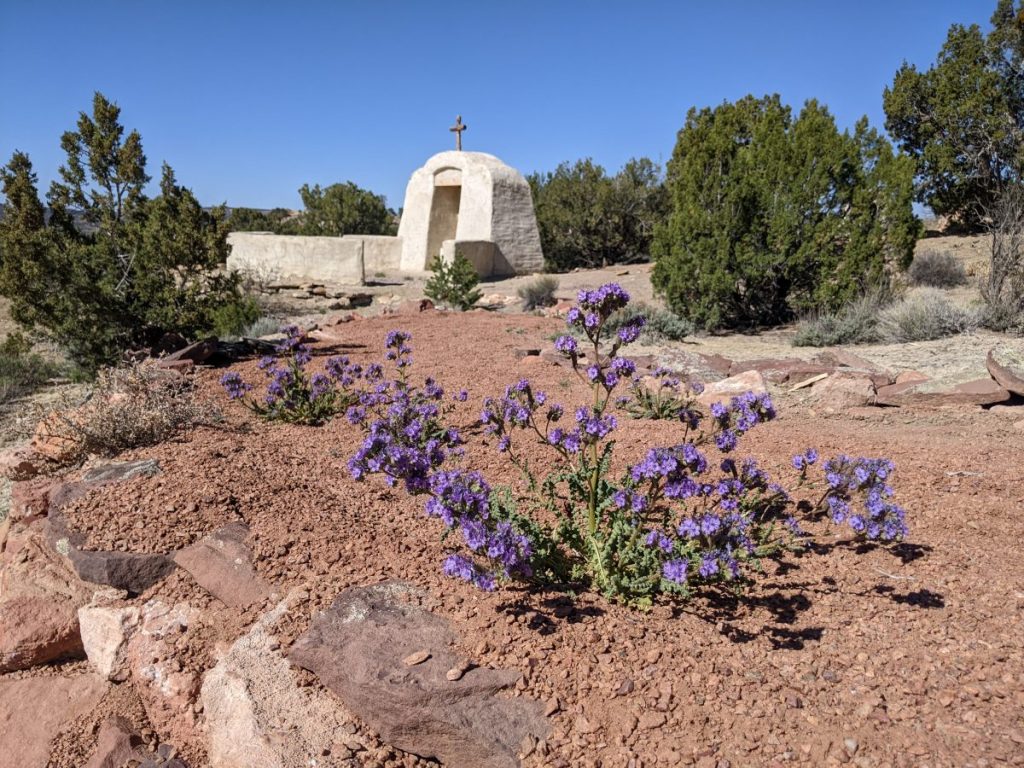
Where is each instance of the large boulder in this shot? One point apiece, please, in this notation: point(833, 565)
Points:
point(388, 660)
point(221, 563)
point(39, 601)
point(726, 389)
point(252, 696)
point(33, 710)
point(1006, 366)
point(838, 393)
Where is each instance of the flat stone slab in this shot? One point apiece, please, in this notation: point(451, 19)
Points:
point(977, 392)
point(133, 572)
point(221, 563)
point(1006, 366)
point(357, 648)
point(33, 710)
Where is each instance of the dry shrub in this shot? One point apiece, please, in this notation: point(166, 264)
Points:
point(130, 406)
point(1003, 291)
point(855, 323)
point(924, 315)
point(937, 269)
point(539, 293)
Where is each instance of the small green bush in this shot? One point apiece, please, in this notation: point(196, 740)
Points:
point(261, 326)
point(232, 318)
point(453, 285)
point(855, 323)
point(539, 293)
point(937, 269)
point(923, 316)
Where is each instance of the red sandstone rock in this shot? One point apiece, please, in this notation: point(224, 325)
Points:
point(413, 306)
point(717, 363)
point(909, 377)
point(1007, 368)
point(116, 744)
point(838, 393)
point(19, 463)
point(221, 564)
point(356, 648)
point(30, 499)
point(978, 392)
point(722, 391)
point(197, 353)
point(167, 690)
point(35, 709)
point(39, 601)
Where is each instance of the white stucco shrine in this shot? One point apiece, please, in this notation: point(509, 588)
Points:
point(473, 203)
point(458, 202)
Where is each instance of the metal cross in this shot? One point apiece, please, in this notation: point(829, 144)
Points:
point(458, 128)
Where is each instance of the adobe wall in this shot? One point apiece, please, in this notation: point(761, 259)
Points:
point(336, 260)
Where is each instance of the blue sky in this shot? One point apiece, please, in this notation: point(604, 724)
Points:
point(249, 100)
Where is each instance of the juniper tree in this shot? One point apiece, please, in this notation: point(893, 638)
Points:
point(772, 216)
point(589, 219)
point(111, 269)
point(343, 209)
point(962, 120)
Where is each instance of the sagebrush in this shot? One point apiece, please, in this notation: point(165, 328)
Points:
point(924, 315)
point(130, 406)
point(854, 323)
point(538, 293)
point(937, 269)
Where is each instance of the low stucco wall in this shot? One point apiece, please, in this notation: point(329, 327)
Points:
point(297, 257)
point(381, 253)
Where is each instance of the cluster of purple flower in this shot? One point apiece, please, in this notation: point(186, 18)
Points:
point(674, 520)
point(589, 314)
point(406, 439)
point(234, 384)
point(462, 500)
point(408, 442)
point(878, 517)
point(292, 395)
point(743, 413)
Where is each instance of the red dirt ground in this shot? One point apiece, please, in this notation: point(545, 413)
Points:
point(910, 657)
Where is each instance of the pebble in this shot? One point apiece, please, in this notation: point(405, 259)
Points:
point(416, 658)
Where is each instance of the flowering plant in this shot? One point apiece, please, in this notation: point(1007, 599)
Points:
point(684, 516)
point(292, 394)
point(407, 441)
point(662, 395)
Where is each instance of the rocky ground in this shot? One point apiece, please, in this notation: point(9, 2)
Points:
point(218, 600)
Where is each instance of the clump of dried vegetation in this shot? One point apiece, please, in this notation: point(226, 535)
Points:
point(129, 406)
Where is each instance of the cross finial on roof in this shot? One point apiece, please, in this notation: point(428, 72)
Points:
point(458, 128)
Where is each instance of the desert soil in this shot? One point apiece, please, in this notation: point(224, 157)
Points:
point(905, 656)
